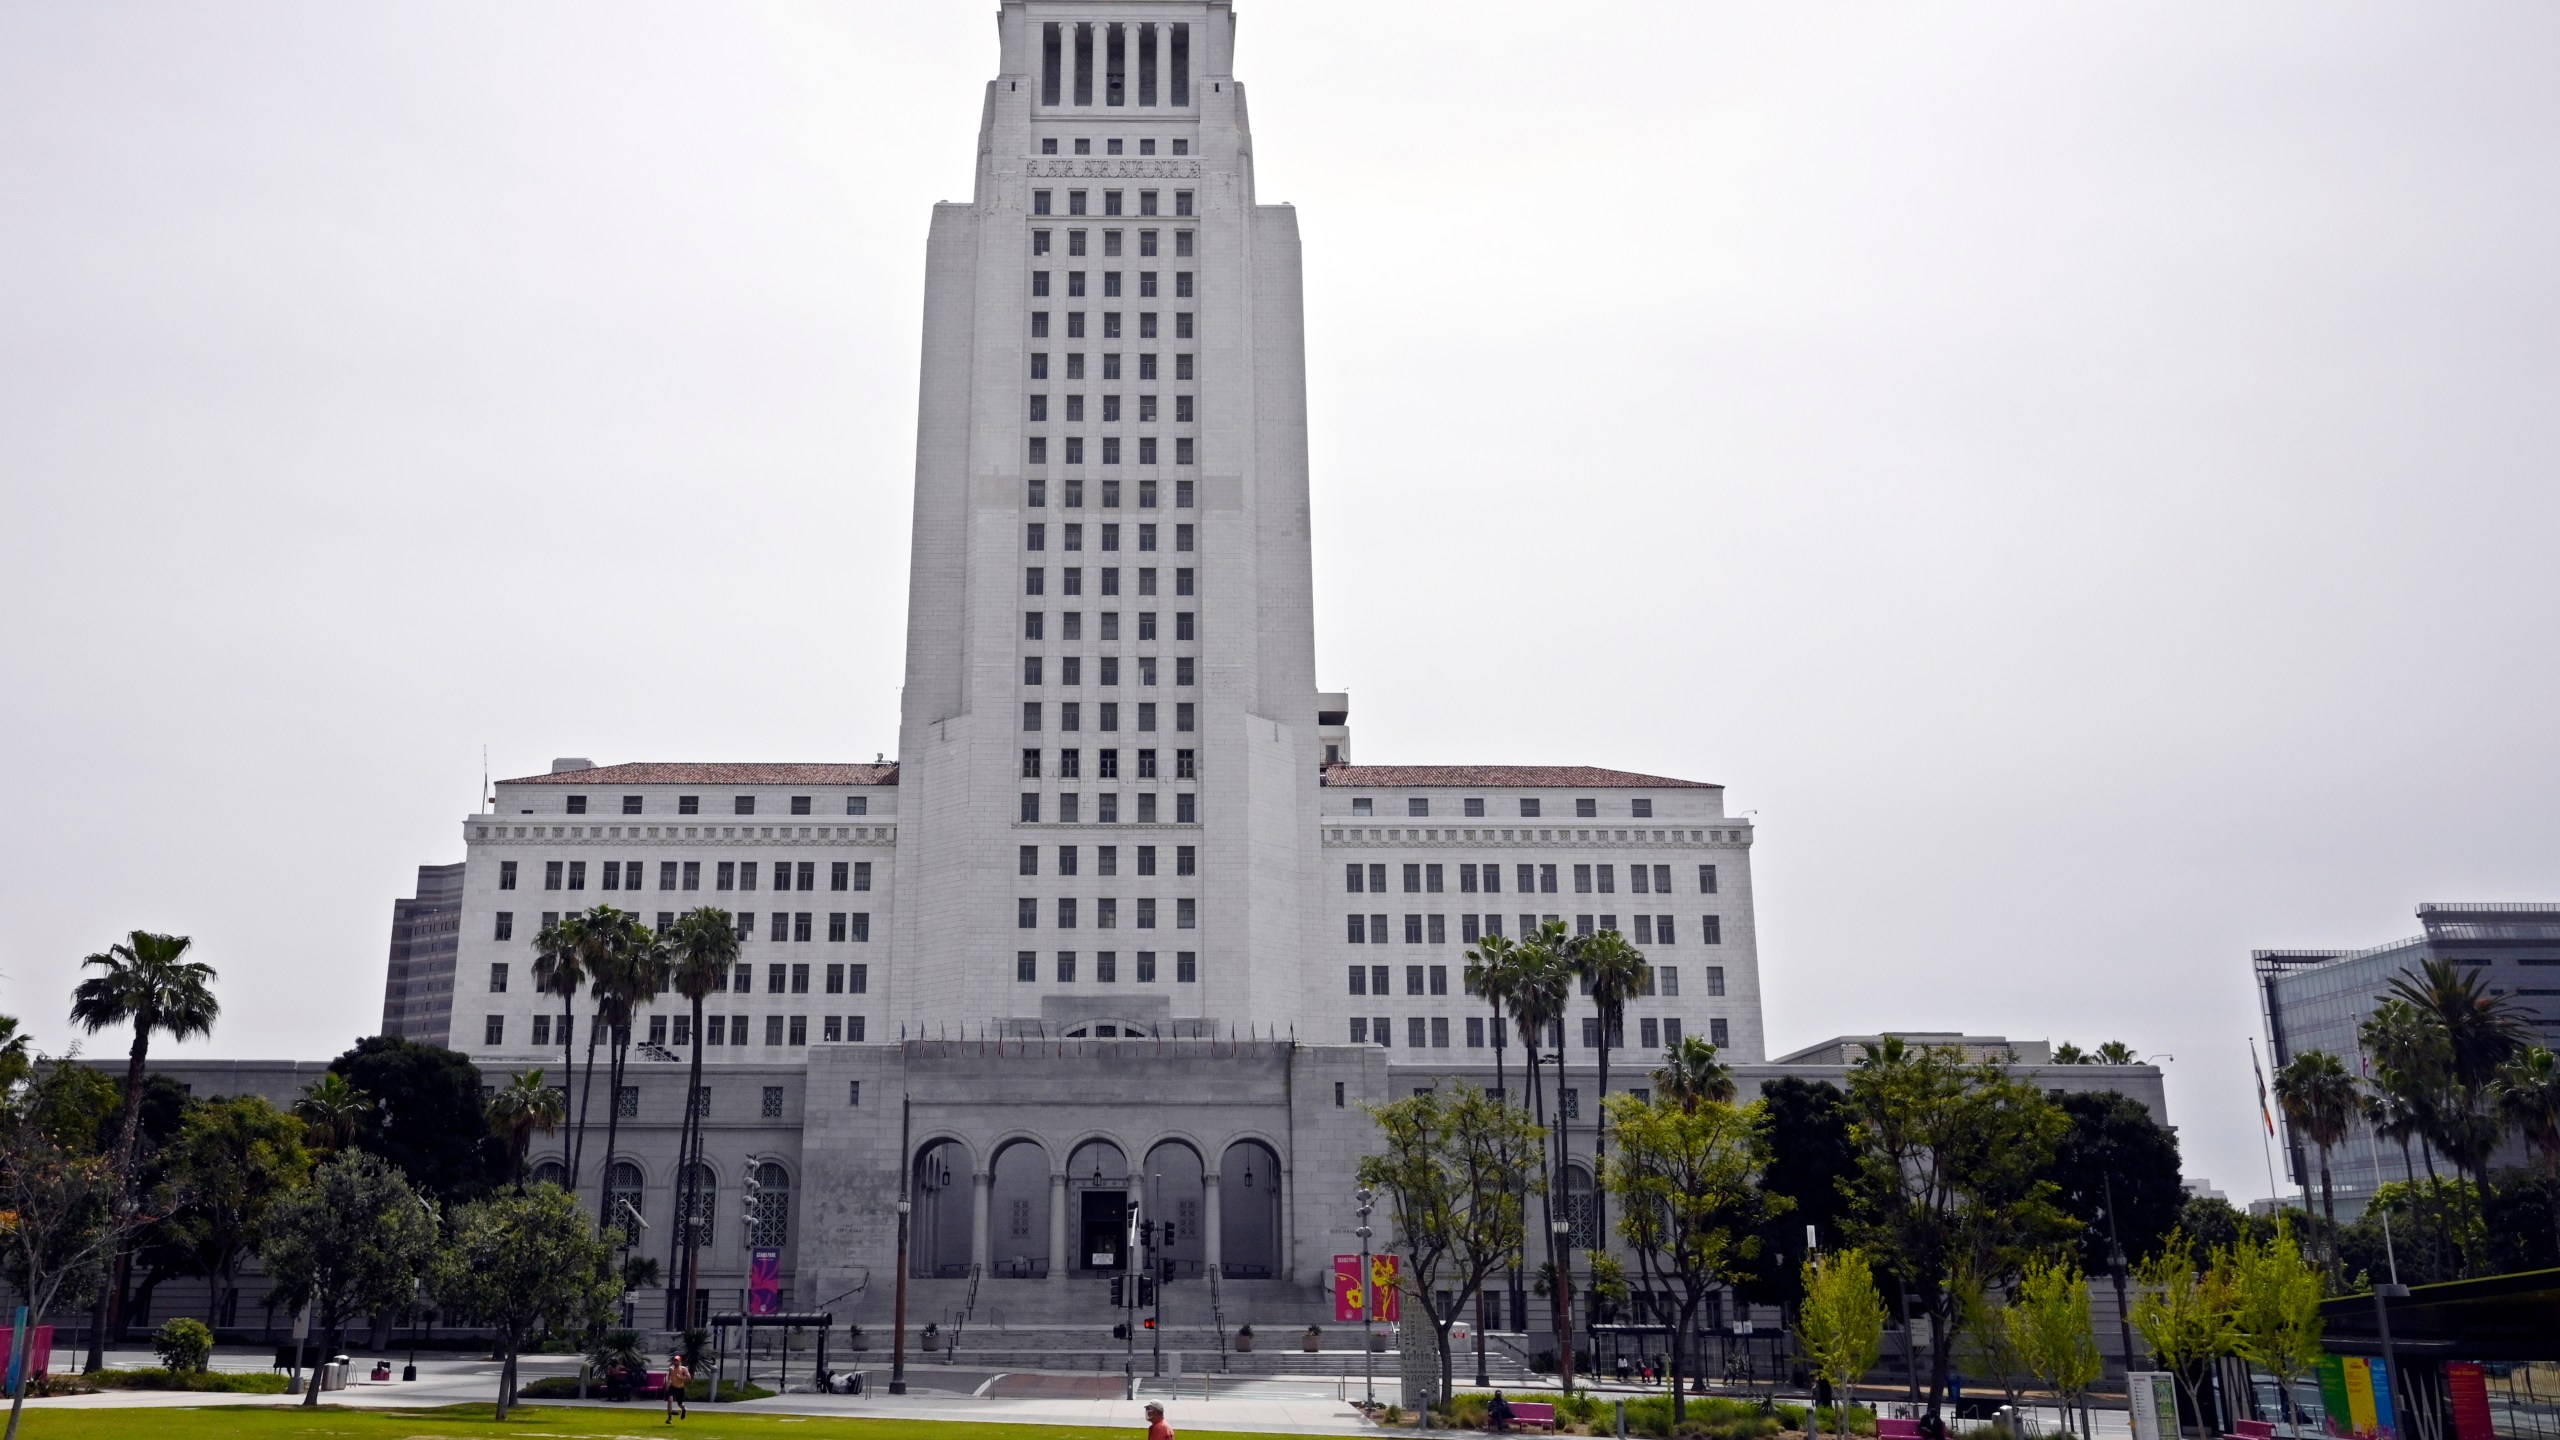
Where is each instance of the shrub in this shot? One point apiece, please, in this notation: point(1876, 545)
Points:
point(1391, 1415)
point(1862, 1420)
point(183, 1345)
point(1710, 1417)
point(244, 1382)
point(565, 1387)
point(1471, 1411)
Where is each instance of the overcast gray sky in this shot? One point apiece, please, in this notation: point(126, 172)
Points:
point(2082, 474)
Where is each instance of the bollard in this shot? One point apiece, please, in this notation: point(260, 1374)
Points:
point(1621, 1419)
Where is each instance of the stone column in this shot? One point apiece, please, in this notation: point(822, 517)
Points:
point(1058, 1227)
point(1212, 1220)
point(982, 1185)
point(1162, 43)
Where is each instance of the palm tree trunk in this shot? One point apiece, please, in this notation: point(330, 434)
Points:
point(679, 1246)
point(128, 1136)
point(2329, 1215)
point(586, 1099)
point(612, 1126)
point(2450, 1249)
point(1562, 1251)
point(1600, 1142)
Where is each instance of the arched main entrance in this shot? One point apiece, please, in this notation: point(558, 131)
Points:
point(1018, 1212)
point(1174, 1197)
point(938, 1238)
point(1098, 1206)
point(1249, 1211)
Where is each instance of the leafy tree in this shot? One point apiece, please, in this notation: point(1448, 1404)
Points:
point(520, 1109)
point(522, 1259)
point(2114, 1148)
point(1456, 1165)
point(1810, 1159)
point(2275, 1308)
point(234, 1158)
point(427, 1117)
point(2528, 1098)
point(1988, 1347)
point(333, 1112)
point(1841, 1325)
point(183, 1345)
point(60, 1202)
point(1951, 1160)
point(1612, 970)
point(2183, 1311)
point(701, 948)
point(2212, 1222)
point(2522, 1212)
point(17, 1060)
point(2318, 1097)
point(2049, 1323)
point(1691, 1209)
point(146, 982)
point(353, 1241)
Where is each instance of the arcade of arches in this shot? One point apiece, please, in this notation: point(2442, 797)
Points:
point(1030, 1214)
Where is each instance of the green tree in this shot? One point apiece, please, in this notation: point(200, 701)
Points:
point(2049, 1323)
point(59, 1199)
point(1690, 1207)
point(2408, 1079)
point(1534, 980)
point(1612, 971)
point(1691, 1074)
point(17, 1060)
point(520, 1109)
point(1841, 1324)
point(2183, 1311)
point(2528, 1098)
point(2480, 1032)
point(354, 1241)
point(2113, 1148)
point(146, 982)
point(428, 1115)
point(233, 1159)
point(2114, 1052)
point(1988, 1349)
point(1951, 1160)
point(1456, 1165)
point(523, 1259)
point(1810, 1158)
point(2318, 1097)
point(701, 948)
point(333, 1112)
point(183, 1345)
point(2275, 1308)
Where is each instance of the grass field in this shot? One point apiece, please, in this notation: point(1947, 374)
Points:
point(534, 1422)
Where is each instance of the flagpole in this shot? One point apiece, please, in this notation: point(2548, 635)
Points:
point(2267, 1129)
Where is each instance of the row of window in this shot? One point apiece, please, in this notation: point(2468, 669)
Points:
point(1434, 980)
point(1035, 535)
point(1184, 366)
point(1035, 581)
point(1434, 929)
point(1185, 243)
point(1428, 879)
point(1035, 624)
point(791, 926)
point(1106, 764)
point(1106, 807)
point(1106, 913)
point(677, 1030)
point(1107, 715)
point(1184, 411)
point(1106, 860)
point(1071, 495)
point(1106, 967)
point(1111, 286)
point(1074, 55)
point(1186, 451)
point(740, 804)
point(1432, 1032)
point(687, 874)
point(1418, 807)
point(1071, 670)
point(1147, 328)
point(1112, 202)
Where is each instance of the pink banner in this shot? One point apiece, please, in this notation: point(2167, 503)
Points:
point(1377, 1289)
point(764, 1281)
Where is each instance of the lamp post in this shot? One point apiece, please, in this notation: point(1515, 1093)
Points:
point(1367, 1200)
point(417, 1297)
point(906, 1171)
point(2115, 1266)
point(1561, 1229)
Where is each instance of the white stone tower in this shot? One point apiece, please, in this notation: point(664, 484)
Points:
point(1108, 751)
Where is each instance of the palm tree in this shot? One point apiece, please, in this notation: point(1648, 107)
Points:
point(519, 1110)
point(2528, 1096)
point(2319, 1099)
point(2114, 1052)
point(149, 983)
point(1692, 1075)
point(1614, 972)
point(2478, 1033)
point(1538, 1000)
point(334, 1110)
point(630, 969)
point(2067, 1053)
point(702, 947)
point(2406, 1053)
point(560, 968)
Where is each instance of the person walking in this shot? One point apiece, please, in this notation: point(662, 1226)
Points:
point(1157, 1429)
point(678, 1377)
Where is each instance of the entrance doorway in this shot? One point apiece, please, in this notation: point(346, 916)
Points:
point(1106, 1230)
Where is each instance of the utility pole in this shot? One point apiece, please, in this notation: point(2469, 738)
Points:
point(898, 1342)
point(1367, 1201)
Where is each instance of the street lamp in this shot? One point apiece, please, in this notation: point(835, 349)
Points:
point(1561, 1230)
point(1367, 1200)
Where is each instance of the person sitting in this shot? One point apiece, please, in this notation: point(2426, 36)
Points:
point(1498, 1414)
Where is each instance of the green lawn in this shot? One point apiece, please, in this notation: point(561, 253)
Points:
point(259, 1422)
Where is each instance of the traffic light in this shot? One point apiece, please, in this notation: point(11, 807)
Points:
point(1119, 1294)
point(1146, 1292)
point(1119, 1332)
point(1149, 1322)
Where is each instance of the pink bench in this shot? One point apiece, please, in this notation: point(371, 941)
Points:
point(2253, 1430)
point(1525, 1413)
point(1897, 1430)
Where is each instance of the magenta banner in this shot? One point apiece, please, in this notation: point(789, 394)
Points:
point(764, 1281)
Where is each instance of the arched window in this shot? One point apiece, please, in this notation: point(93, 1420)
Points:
point(1579, 1211)
point(551, 1172)
point(624, 1188)
point(702, 1199)
point(769, 1202)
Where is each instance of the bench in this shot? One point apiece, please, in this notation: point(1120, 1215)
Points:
point(1897, 1430)
point(2252, 1430)
point(1525, 1413)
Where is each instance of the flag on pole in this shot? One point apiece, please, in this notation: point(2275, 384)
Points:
point(2265, 1114)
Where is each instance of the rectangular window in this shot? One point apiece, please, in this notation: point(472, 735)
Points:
point(1528, 809)
point(1066, 912)
point(1186, 967)
point(1026, 913)
point(1413, 879)
point(498, 979)
point(1666, 978)
point(1359, 927)
point(1581, 879)
point(1439, 1032)
point(1359, 1036)
point(743, 804)
point(1710, 930)
point(1106, 967)
point(1438, 929)
point(1546, 879)
point(1715, 980)
point(1416, 1033)
point(1475, 1032)
point(1186, 914)
point(1026, 963)
point(1717, 1033)
point(1413, 930)
point(1644, 930)
point(1706, 879)
point(1146, 967)
point(1106, 914)
point(799, 1036)
point(493, 1031)
point(1662, 930)
point(1066, 967)
point(506, 874)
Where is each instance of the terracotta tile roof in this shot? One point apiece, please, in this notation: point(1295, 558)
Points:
point(659, 773)
point(1541, 777)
